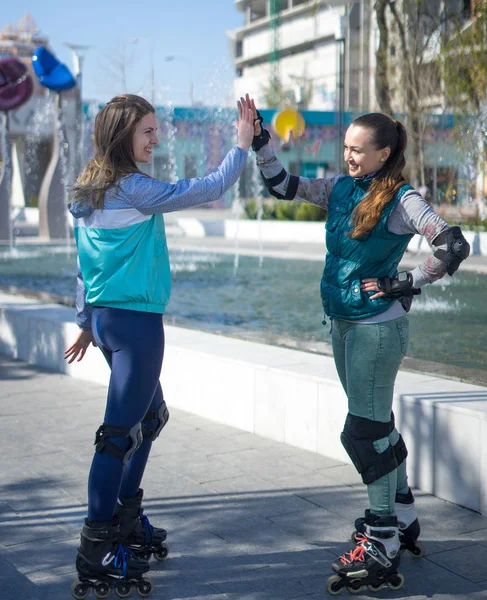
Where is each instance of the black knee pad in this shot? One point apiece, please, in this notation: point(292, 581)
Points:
point(358, 438)
point(162, 416)
point(400, 450)
point(104, 444)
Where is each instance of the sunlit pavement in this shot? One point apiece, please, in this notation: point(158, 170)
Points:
point(248, 518)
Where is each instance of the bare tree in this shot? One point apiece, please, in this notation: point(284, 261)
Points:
point(114, 68)
point(464, 53)
point(382, 87)
point(408, 76)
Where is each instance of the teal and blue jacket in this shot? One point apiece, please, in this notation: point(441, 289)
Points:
point(349, 260)
point(122, 250)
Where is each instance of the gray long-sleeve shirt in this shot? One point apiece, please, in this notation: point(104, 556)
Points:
point(413, 215)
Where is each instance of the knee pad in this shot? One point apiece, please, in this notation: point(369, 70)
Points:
point(162, 416)
point(400, 450)
point(104, 444)
point(358, 437)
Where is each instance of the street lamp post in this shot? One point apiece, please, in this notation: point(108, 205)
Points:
point(79, 52)
point(152, 86)
point(172, 58)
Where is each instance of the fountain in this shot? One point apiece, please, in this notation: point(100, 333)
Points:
point(235, 294)
point(53, 215)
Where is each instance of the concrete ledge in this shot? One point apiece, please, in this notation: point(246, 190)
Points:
point(286, 395)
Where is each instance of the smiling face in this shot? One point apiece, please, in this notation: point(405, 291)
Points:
point(362, 157)
point(144, 138)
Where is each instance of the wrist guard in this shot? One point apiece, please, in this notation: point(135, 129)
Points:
point(264, 136)
point(398, 287)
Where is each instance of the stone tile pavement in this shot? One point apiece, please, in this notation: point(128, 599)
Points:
point(248, 518)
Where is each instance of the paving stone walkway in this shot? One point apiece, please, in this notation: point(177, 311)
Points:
point(248, 518)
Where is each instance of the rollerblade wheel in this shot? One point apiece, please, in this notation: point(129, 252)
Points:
point(375, 588)
point(396, 582)
point(101, 590)
point(145, 588)
point(161, 553)
point(123, 590)
point(144, 554)
point(355, 586)
point(334, 585)
point(417, 551)
point(80, 590)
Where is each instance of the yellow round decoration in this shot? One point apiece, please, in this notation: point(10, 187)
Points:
point(289, 121)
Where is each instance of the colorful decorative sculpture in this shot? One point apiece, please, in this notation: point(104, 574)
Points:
point(53, 218)
point(52, 74)
point(15, 84)
point(15, 89)
point(289, 122)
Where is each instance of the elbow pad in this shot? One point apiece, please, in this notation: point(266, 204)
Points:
point(457, 248)
point(292, 186)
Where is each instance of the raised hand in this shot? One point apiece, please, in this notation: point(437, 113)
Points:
point(257, 126)
point(245, 124)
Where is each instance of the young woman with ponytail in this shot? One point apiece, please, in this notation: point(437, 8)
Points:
point(372, 215)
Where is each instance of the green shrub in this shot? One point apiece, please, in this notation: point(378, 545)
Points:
point(269, 211)
point(286, 211)
point(470, 223)
point(251, 207)
point(310, 212)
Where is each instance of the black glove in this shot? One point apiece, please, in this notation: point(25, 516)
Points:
point(264, 136)
point(398, 287)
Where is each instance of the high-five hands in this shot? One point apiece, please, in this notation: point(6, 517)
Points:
point(248, 102)
point(245, 125)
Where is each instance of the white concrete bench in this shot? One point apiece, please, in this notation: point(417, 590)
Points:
point(287, 395)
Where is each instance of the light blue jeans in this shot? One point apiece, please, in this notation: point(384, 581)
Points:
point(367, 358)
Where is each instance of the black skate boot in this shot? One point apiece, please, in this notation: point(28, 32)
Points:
point(137, 533)
point(103, 563)
point(373, 563)
point(409, 528)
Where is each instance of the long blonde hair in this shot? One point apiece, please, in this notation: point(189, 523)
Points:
point(114, 129)
point(385, 133)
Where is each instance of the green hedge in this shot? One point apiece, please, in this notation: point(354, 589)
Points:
point(284, 210)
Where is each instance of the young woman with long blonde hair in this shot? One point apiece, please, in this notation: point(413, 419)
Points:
point(124, 283)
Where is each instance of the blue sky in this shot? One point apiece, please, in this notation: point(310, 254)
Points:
point(123, 31)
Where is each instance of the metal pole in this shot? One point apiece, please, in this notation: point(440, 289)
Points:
point(153, 99)
point(361, 77)
point(341, 102)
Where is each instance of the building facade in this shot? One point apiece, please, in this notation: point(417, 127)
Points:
point(317, 50)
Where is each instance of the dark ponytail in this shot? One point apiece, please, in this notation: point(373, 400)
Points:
point(385, 133)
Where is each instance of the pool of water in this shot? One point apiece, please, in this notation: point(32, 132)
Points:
point(277, 301)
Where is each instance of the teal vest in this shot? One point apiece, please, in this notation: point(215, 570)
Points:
point(348, 260)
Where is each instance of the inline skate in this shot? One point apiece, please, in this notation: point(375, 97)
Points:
point(373, 563)
point(136, 531)
point(409, 528)
point(103, 564)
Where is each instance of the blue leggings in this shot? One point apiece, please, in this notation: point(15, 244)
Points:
point(133, 345)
